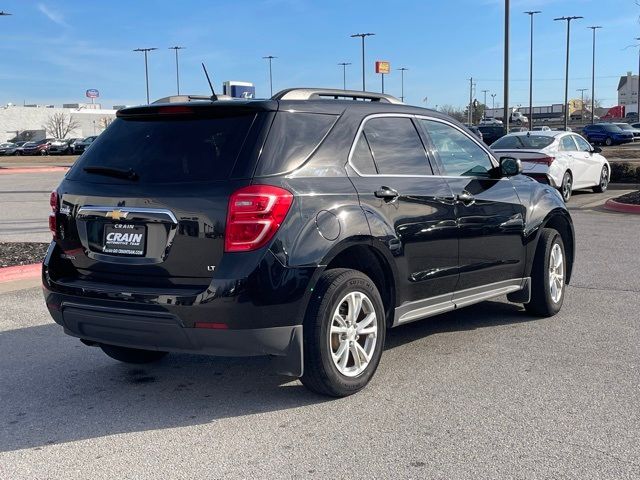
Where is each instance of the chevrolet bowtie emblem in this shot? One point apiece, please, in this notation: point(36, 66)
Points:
point(117, 214)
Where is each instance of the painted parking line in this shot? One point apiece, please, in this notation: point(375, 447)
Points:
point(20, 272)
point(14, 170)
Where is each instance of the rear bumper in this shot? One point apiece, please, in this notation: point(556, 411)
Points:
point(165, 332)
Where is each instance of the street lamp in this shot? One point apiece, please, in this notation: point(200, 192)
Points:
point(566, 73)
point(484, 107)
point(362, 36)
point(505, 109)
point(638, 96)
point(593, 73)
point(146, 68)
point(176, 48)
point(270, 58)
point(493, 101)
point(402, 70)
point(531, 14)
point(582, 90)
point(344, 74)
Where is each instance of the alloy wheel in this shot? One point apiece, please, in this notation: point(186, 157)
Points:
point(353, 333)
point(566, 187)
point(604, 178)
point(556, 273)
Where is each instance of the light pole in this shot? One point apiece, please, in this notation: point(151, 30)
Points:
point(582, 90)
point(176, 48)
point(531, 14)
point(638, 96)
point(484, 108)
point(270, 58)
point(146, 68)
point(593, 73)
point(505, 109)
point(402, 70)
point(362, 36)
point(344, 74)
point(566, 72)
point(493, 101)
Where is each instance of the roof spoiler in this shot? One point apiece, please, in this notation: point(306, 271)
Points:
point(333, 94)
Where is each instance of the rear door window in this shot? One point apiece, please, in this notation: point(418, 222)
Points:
point(567, 144)
point(167, 150)
point(396, 146)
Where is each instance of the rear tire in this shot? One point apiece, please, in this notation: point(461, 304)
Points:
point(548, 275)
point(132, 355)
point(608, 142)
point(604, 181)
point(344, 333)
point(566, 186)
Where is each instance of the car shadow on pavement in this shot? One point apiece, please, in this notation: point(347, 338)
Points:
point(53, 389)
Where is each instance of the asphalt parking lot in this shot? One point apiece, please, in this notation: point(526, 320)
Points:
point(484, 392)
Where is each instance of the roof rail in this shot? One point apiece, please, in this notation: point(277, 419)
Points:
point(189, 98)
point(334, 94)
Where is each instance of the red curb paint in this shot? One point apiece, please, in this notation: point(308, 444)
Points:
point(12, 170)
point(20, 272)
point(614, 206)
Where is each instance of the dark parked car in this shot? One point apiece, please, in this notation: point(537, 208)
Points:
point(628, 128)
point(39, 147)
point(63, 147)
point(491, 133)
point(8, 148)
point(300, 227)
point(475, 130)
point(82, 145)
point(606, 133)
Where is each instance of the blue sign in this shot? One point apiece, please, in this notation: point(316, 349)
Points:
point(93, 93)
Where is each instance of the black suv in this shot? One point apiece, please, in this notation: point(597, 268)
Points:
point(299, 227)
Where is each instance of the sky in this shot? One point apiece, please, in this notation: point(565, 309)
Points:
point(52, 51)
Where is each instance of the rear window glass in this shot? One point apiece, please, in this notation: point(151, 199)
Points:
point(182, 149)
point(292, 138)
point(534, 142)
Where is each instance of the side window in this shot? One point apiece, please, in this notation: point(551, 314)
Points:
point(396, 146)
point(459, 154)
point(567, 144)
point(362, 159)
point(583, 145)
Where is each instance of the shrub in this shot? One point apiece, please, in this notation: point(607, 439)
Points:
point(624, 173)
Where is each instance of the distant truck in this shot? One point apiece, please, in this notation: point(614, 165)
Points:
point(237, 89)
point(515, 117)
point(614, 112)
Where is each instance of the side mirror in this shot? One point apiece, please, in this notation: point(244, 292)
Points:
point(596, 149)
point(510, 166)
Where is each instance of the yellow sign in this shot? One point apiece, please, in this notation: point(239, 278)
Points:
point(382, 66)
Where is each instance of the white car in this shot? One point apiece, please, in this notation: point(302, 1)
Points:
point(565, 160)
point(490, 121)
point(541, 128)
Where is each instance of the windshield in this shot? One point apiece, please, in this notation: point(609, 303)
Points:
point(533, 142)
point(611, 128)
point(180, 149)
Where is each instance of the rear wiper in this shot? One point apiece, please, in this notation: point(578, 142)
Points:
point(113, 172)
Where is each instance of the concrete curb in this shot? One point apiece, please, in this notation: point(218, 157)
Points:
point(13, 170)
point(614, 206)
point(20, 272)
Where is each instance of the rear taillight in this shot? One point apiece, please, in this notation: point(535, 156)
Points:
point(544, 160)
point(53, 223)
point(254, 215)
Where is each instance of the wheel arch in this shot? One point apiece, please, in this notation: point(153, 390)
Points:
point(560, 221)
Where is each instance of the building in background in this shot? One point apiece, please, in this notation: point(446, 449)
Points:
point(628, 92)
point(237, 89)
point(19, 121)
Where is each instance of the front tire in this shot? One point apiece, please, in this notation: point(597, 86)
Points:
point(604, 181)
point(548, 275)
point(608, 142)
point(344, 333)
point(566, 187)
point(132, 355)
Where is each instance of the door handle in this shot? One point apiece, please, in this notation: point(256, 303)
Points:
point(465, 198)
point(386, 193)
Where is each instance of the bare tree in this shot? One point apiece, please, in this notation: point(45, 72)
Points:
point(105, 122)
point(457, 113)
point(59, 125)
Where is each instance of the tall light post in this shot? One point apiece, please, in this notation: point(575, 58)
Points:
point(505, 109)
point(484, 107)
point(344, 74)
point(270, 58)
point(582, 90)
point(362, 37)
point(566, 72)
point(493, 101)
point(146, 68)
point(531, 14)
point(593, 72)
point(402, 70)
point(176, 48)
point(638, 95)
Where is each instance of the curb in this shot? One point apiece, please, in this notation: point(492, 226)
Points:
point(614, 206)
point(20, 272)
point(624, 186)
point(12, 170)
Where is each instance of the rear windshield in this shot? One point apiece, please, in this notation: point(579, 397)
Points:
point(534, 142)
point(181, 149)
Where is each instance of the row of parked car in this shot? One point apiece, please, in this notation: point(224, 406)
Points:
point(47, 146)
point(604, 133)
